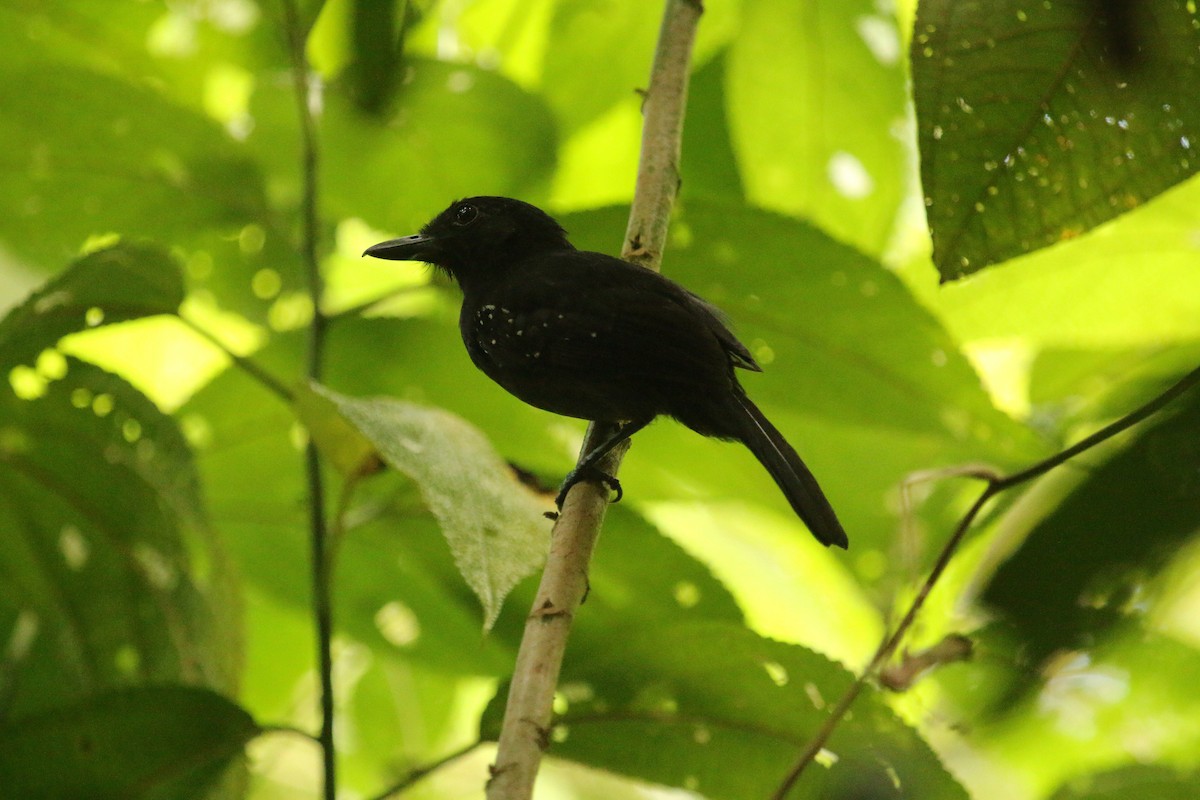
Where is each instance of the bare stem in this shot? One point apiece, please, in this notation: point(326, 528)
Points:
point(247, 365)
point(524, 734)
point(417, 773)
point(318, 533)
point(995, 484)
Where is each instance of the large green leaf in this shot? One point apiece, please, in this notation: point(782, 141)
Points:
point(638, 578)
point(715, 709)
point(1130, 283)
point(254, 482)
point(455, 131)
point(110, 574)
point(813, 89)
point(119, 283)
point(86, 154)
point(1033, 129)
point(494, 525)
point(148, 743)
point(709, 165)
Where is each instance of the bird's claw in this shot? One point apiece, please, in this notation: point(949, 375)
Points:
point(589, 474)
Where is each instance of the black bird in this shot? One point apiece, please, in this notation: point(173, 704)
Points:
point(591, 336)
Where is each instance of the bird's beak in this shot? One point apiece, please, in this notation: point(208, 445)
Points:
point(417, 247)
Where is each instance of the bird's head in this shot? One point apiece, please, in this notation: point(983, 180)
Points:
point(478, 236)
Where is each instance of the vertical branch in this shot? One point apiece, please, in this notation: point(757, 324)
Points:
point(318, 533)
point(528, 714)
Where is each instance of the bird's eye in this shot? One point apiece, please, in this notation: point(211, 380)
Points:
point(465, 214)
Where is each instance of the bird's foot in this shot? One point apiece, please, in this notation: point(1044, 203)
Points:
point(588, 474)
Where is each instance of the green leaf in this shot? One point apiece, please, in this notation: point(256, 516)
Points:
point(348, 450)
point(709, 164)
point(587, 37)
point(638, 578)
point(1128, 697)
point(1092, 292)
point(715, 709)
point(117, 158)
point(98, 491)
point(1033, 131)
point(149, 743)
point(253, 476)
point(1143, 781)
point(116, 284)
point(1120, 519)
point(456, 131)
point(494, 525)
point(812, 89)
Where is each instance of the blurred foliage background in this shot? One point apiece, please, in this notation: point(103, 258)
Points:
point(155, 632)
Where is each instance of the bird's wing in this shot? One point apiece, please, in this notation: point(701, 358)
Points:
point(588, 312)
point(591, 336)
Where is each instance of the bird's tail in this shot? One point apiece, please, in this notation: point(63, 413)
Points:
point(794, 479)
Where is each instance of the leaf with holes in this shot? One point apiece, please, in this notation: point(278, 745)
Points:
point(109, 574)
point(134, 744)
point(1039, 121)
point(493, 523)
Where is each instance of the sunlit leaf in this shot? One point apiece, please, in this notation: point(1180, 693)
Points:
point(118, 283)
point(150, 743)
point(251, 461)
point(1092, 292)
point(812, 90)
point(1034, 128)
point(347, 449)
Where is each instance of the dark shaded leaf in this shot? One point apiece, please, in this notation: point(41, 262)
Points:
point(1119, 523)
point(1033, 130)
point(1141, 781)
point(107, 564)
point(149, 743)
point(659, 706)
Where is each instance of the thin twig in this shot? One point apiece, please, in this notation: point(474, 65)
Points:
point(266, 379)
point(524, 734)
point(994, 486)
point(322, 603)
point(417, 773)
point(291, 730)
